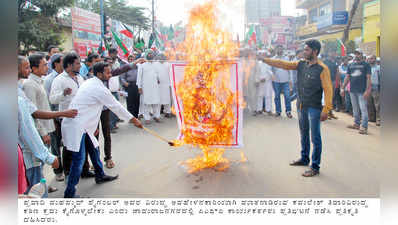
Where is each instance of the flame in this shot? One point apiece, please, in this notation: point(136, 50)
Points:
point(205, 91)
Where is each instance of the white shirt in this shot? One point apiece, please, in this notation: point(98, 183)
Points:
point(89, 101)
point(148, 80)
point(281, 75)
point(60, 83)
point(164, 86)
point(35, 92)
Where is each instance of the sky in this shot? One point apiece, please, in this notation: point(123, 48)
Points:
point(232, 11)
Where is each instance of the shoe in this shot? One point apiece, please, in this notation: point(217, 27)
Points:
point(363, 130)
point(378, 123)
point(52, 189)
point(105, 178)
point(88, 174)
point(59, 177)
point(354, 126)
point(157, 120)
point(140, 116)
point(277, 114)
point(298, 163)
point(288, 114)
point(310, 173)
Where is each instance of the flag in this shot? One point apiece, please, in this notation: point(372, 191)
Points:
point(341, 47)
point(251, 36)
point(151, 40)
point(127, 32)
point(120, 43)
point(170, 34)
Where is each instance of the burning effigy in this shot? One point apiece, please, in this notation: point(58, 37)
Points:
point(207, 90)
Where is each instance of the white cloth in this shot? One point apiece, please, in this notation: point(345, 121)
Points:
point(164, 86)
point(89, 101)
point(154, 108)
point(114, 84)
point(148, 80)
point(166, 108)
point(60, 83)
point(141, 109)
point(263, 72)
point(35, 92)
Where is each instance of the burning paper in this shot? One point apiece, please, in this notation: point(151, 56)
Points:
point(207, 90)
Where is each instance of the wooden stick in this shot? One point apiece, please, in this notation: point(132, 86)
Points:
point(158, 136)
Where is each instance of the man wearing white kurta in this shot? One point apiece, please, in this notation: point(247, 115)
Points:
point(78, 133)
point(263, 87)
point(148, 86)
point(163, 69)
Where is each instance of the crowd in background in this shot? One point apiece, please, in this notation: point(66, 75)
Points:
point(48, 83)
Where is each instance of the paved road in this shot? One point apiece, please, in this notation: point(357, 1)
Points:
point(150, 168)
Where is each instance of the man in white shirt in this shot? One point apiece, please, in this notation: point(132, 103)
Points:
point(63, 90)
point(281, 84)
point(78, 133)
point(163, 69)
point(148, 86)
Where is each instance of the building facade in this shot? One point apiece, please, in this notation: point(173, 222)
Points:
point(271, 28)
point(256, 10)
point(326, 20)
point(371, 28)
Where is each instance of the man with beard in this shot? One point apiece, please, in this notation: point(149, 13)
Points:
point(78, 133)
point(313, 79)
point(359, 76)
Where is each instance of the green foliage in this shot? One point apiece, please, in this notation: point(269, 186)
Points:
point(37, 27)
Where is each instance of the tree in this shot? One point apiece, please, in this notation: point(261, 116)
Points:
point(37, 26)
point(350, 18)
point(119, 10)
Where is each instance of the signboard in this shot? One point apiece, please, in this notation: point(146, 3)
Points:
point(337, 18)
point(306, 30)
point(340, 17)
point(86, 31)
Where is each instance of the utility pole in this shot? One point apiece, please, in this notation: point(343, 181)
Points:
point(153, 16)
point(102, 22)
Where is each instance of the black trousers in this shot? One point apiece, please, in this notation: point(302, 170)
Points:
point(56, 139)
point(133, 99)
point(106, 132)
point(337, 100)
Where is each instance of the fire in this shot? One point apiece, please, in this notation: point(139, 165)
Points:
point(205, 92)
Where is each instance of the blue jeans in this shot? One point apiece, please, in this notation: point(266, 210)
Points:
point(282, 88)
point(310, 119)
point(347, 99)
point(33, 175)
point(359, 103)
point(112, 116)
point(77, 165)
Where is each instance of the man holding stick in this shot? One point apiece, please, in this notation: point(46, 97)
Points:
point(313, 79)
point(78, 133)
